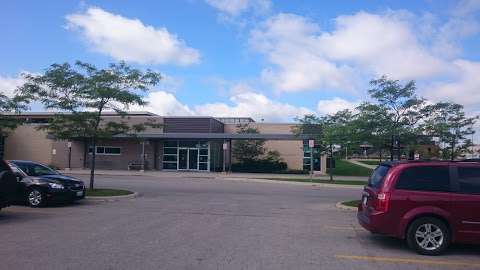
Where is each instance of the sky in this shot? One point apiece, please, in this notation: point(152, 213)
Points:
point(265, 59)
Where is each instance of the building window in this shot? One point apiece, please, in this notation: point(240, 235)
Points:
point(170, 155)
point(186, 154)
point(106, 150)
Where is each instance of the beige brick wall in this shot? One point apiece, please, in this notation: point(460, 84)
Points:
point(131, 150)
point(60, 158)
point(28, 143)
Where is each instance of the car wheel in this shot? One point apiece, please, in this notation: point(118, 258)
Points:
point(428, 236)
point(36, 198)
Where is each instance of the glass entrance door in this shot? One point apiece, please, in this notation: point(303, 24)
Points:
point(188, 159)
point(193, 159)
point(182, 158)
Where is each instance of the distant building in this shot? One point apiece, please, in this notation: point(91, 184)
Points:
point(183, 143)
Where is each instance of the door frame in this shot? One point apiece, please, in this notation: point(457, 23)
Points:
point(188, 158)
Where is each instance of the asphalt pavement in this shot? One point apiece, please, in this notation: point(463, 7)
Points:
point(207, 223)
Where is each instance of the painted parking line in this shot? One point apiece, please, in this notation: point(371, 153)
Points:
point(410, 261)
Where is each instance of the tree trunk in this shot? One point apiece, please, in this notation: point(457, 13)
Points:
point(452, 153)
point(397, 144)
point(92, 162)
point(391, 148)
point(85, 153)
point(331, 163)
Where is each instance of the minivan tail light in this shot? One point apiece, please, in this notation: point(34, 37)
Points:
point(383, 201)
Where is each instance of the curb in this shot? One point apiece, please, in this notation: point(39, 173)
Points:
point(301, 183)
point(339, 205)
point(112, 198)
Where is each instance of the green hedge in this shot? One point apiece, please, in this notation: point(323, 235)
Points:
point(260, 166)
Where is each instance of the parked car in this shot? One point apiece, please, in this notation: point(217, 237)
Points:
point(39, 184)
point(8, 185)
point(430, 204)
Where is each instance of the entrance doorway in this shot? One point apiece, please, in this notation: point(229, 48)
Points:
point(188, 158)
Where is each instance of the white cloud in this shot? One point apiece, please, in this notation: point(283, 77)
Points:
point(164, 103)
point(291, 47)
point(384, 44)
point(129, 39)
point(463, 88)
point(236, 7)
point(331, 106)
point(303, 57)
point(255, 105)
point(9, 84)
point(466, 7)
point(242, 104)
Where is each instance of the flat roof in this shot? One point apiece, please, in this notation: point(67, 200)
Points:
point(218, 136)
point(48, 114)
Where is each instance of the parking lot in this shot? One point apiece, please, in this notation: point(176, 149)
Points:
point(204, 223)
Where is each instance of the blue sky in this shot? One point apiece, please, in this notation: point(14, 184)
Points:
point(266, 59)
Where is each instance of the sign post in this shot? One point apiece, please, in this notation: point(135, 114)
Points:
point(311, 145)
point(69, 145)
point(225, 147)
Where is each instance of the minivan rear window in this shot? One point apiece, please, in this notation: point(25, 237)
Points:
point(425, 178)
point(376, 179)
point(469, 180)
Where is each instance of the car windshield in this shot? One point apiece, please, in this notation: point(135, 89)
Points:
point(376, 179)
point(33, 169)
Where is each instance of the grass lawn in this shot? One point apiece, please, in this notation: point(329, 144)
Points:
point(335, 182)
point(102, 192)
point(353, 203)
point(346, 168)
point(370, 162)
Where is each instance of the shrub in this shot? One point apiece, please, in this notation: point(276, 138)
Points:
point(260, 166)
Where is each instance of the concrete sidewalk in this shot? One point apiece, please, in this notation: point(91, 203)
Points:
point(356, 162)
point(210, 175)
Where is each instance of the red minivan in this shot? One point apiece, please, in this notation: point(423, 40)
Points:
point(429, 203)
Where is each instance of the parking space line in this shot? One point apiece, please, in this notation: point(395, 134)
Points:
point(409, 261)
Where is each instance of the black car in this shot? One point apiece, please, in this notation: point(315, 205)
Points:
point(39, 184)
point(8, 185)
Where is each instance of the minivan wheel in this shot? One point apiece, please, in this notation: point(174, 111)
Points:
point(428, 236)
point(36, 198)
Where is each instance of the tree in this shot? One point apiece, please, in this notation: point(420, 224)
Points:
point(448, 122)
point(402, 105)
point(82, 92)
point(372, 124)
point(327, 131)
point(248, 150)
point(9, 106)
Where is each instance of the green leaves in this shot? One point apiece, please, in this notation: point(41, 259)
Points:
point(8, 108)
point(248, 150)
point(448, 122)
point(84, 87)
point(396, 110)
point(82, 92)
